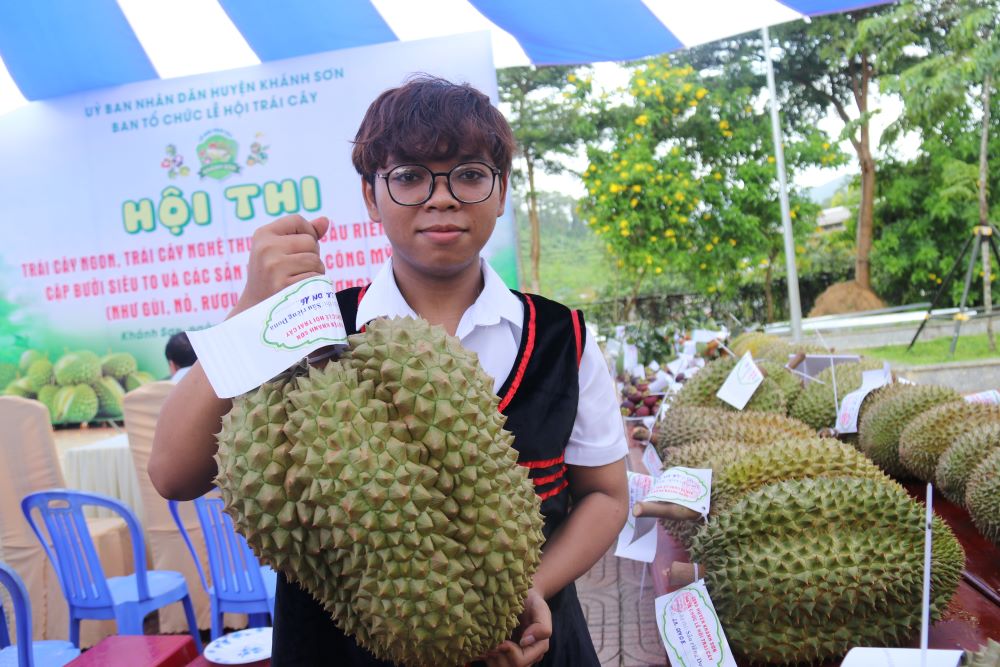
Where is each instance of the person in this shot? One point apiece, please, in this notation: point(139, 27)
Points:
point(180, 355)
point(434, 159)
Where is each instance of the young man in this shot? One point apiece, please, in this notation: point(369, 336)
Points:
point(180, 355)
point(434, 160)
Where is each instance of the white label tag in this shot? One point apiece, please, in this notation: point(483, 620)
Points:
point(900, 657)
point(249, 349)
point(637, 539)
point(631, 357)
point(651, 459)
point(690, 348)
point(850, 406)
point(690, 629)
point(662, 381)
point(654, 365)
point(989, 397)
point(742, 382)
point(704, 335)
point(690, 487)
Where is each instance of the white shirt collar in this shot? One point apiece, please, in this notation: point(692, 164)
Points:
point(495, 302)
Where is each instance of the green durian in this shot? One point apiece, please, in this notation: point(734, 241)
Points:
point(781, 351)
point(817, 403)
point(19, 387)
point(988, 655)
point(802, 570)
point(961, 459)
point(700, 390)
point(118, 365)
point(29, 357)
point(927, 437)
point(891, 409)
point(47, 396)
point(982, 497)
point(752, 341)
point(386, 486)
point(789, 383)
point(137, 379)
point(39, 374)
point(681, 425)
point(74, 404)
point(81, 367)
point(109, 397)
point(8, 373)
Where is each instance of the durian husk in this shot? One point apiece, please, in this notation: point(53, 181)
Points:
point(681, 425)
point(802, 570)
point(789, 383)
point(891, 410)
point(385, 485)
point(928, 436)
point(982, 497)
point(752, 341)
point(959, 461)
point(988, 655)
point(700, 390)
point(817, 404)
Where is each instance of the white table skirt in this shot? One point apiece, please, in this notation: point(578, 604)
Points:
point(104, 467)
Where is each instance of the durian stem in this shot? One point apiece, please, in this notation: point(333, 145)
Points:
point(659, 510)
point(681, 574)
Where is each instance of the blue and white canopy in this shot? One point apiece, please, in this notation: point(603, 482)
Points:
point(57, 47)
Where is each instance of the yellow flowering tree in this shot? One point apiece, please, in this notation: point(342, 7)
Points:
point(683, 181)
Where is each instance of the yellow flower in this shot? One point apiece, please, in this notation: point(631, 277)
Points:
point(623, 223)
point(571, 78)
point(708, 247)
point(711, 290)
point(615, 188)
point(642, 120)
point(723, 124)
point(636, 188)
point(682, 219)
point(748, 109)
point(679, 196)
point(792, 214)
point(641, 83)
point(670, 233)
point(715, 239)
point(770, 159)
point(702, 266)
point(658, 270)
point(732, 242)
point(634, 202)
point(825, 145)
point(649, 260)
point(700, 93)
point(693, 103)
point(653, 239)
point(717, 176)
point(727, 133)
point(624, 232)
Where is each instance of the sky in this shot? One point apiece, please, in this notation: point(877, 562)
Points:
point(212, 43)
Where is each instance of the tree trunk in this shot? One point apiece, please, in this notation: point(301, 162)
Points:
point(536, 235)
point(866, 212)
point(984, 211)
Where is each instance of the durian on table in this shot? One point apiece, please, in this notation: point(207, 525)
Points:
point(386, 486)
point(684, 424)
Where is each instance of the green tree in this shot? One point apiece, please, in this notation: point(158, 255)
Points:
point(545, 108)
point(685, 181)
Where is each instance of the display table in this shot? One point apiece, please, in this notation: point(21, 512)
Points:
point(104, 467)
point(140, 651)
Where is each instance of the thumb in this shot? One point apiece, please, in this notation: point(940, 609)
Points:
point(320, 224)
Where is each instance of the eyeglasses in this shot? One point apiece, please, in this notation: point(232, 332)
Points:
point(413, 184)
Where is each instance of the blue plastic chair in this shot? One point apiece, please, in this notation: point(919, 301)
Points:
point(89, 593)
point(26, 653)
point(240, 584)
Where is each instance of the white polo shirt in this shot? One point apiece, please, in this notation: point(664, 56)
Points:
point(491, 327)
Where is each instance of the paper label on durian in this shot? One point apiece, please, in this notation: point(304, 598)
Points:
point(989, 397)
point(690, 487)
point(742, 382)
point(651, 459)
point(637, 539)
point(252, 347)
point(850, 406)
point(690, 629)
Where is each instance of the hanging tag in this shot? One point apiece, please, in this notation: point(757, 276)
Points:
point(661, 382)
point(690, 629)
point(742, 382)
point(637, 539)
point(868, 656)
point(690, 487)
point(249, 349)
point(850, 406)
point(989, 397)
point(651, 459)
point(704, 335)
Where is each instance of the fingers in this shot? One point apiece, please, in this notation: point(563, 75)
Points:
point(296, 224)
point(510, 654)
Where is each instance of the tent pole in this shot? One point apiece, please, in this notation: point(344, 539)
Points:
point(794, 306)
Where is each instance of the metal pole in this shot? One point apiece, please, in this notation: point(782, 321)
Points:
point(794, 306)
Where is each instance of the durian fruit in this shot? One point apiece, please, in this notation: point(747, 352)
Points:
point(39, 374)
point(137, 379)
point(988, 655)
point(816, 405)
point(386, 486)
point(19, 387)
point(781, 351)
point(802, 570)
point(982, 497)
point(8, 373)
point(109, 397)
point(118, 365)
point(682, 425)
point(81, 367)
point(888, 413)
point(961, 459)
point(29, 357)
point(74, 404)
point(47, 396)
point(927, 437)
point(789, 383)
point(751, 341)
point(789, 459)
point(701, 388)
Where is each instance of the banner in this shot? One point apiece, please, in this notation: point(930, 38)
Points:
point(128, 212)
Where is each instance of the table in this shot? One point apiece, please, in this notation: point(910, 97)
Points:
point(104, 467)
point(139, 651)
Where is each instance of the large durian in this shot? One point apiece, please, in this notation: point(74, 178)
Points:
point(800, 571)
point(752, 341)
point(817, 404)
point(700, 390)
point(963, 456)
point(386, 486)
point(927, 437)
point(982, 497)
point(683, 424)
point(789, 383)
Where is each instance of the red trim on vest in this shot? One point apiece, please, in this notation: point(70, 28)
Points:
point(361, 294)
point(542, 464)
point(528, 348)
point(552, 492)
point(576, 333)
point(549, 478)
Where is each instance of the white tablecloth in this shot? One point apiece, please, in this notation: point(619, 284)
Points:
point(104, 467)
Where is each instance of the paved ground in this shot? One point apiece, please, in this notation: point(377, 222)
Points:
point(620, 615)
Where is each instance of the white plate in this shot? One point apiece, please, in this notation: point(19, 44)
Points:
point(240, 648)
